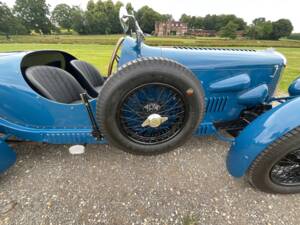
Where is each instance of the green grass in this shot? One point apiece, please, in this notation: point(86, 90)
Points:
point(293, 68)
point(99, 55)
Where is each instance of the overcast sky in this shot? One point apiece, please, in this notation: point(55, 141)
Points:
point(247, 9)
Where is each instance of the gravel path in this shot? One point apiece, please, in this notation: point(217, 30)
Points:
point(106, 186)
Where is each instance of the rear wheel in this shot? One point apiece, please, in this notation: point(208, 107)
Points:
point(277, 169)
point(150, 106)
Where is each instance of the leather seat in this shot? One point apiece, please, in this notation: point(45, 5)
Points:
point(91, 79)
point(55, 84)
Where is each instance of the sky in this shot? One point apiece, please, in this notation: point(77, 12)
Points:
point(247, 9)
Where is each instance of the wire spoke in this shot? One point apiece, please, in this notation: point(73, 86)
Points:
point(287, 170)
point(133, 111)
point(131, 119)
point(149, 99)
point(169, 110)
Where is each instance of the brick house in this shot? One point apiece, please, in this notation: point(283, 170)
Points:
point(175, 28)
point(170, 28)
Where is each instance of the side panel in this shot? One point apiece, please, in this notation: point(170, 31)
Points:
point(29, 116)
point(22, 106)
point(50, 135)
point(260, 134)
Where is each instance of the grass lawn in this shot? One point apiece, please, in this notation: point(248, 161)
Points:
point(293, 68)
point(99, 55)
point(154, 41)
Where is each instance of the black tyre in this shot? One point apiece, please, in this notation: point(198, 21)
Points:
point(277, 169)
point(150, 106)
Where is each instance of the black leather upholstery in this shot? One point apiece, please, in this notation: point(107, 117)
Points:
point(92, 79)
point(54, 83)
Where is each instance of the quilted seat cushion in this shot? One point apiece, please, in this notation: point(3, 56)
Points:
point(54, 83)
point(91, 79)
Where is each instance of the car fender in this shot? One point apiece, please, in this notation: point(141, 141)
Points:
point(262, 132)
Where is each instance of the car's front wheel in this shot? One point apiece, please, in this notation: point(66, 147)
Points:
point(150, 106)
point(277, 169)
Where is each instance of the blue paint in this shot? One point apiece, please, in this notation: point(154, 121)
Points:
point(255, 96)
point(231, 84)
point(213, 66)
point(262, 132)
point(294, 89)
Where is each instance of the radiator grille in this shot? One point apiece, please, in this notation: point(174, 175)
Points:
point(215, 104)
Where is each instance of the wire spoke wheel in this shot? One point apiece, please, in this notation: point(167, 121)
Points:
point(150, 106)
point(159, 99)
point(287, 170)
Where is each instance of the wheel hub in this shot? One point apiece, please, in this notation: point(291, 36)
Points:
point(154, 121)
point(152, 113)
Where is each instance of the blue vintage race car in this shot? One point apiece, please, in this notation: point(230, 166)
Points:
point(155, 101)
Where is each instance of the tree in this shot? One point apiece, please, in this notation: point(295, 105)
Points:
point(229, 30)
point(112, 11)
point(185, 18)
point(282, 28)
point(79, 21)
point(103, 17)
point(260, 29)
point(9, 24)
point(259, 20)
point(5, 19)
point(197, 22)
point(223, 20)
point(264, 30)
point(166, 17)
point(212, 22)
point(34, 15)
point(129, 8)
point(62, 15)
point(192, 21)
point(147, 18)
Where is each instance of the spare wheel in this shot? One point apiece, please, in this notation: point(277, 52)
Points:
point(150, 106)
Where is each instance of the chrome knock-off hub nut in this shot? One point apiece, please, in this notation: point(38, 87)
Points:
point(154, 121)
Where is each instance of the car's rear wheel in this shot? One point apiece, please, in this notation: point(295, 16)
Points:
point(150, 106)
point(277, 169)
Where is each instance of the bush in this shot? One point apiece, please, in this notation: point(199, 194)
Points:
point(295, 36)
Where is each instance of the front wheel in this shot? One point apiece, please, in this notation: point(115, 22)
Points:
point(150, 106)
point(277, 169)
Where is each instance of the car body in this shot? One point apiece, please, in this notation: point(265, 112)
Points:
point(239, 87)
point(233, 80)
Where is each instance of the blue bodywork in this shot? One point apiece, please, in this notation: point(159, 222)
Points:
point(260, 134)
point(294, 89)
point(233, 80)
point(28, 116)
